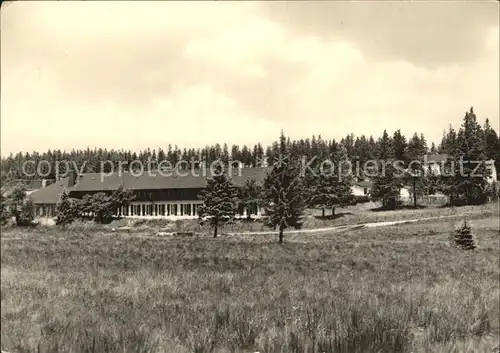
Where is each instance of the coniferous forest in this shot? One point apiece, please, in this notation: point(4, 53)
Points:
point(358, 149)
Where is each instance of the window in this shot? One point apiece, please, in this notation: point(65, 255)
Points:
point(365, 191)
point(162, 210)
point(182, 210)
point(188, 209)
point(143, 210)
point(168, 210)
point(174, 211)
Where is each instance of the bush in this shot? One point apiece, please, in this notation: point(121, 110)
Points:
point(4, 212)
point(20, 207)
point(66, 211)
point(492, 191)
point(27, 214)
point(463, 237)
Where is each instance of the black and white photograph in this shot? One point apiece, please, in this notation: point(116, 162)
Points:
point(250, 176)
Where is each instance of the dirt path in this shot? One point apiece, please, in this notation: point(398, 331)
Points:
point(338, 229)
point(335, 229)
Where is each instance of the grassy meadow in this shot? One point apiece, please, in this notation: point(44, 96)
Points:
point(390, 289)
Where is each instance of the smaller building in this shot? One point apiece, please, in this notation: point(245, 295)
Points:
point(46, 198)
point(435, 163)
point(361, 188)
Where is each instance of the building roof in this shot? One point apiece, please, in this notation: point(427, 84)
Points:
point(364, 183)
point(439, 158)
point(34, 184)
point(49, 194)
point(150, 180)
point(93, 182)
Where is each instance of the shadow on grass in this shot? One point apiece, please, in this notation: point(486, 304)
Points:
point(404, 207)
point(331, 217)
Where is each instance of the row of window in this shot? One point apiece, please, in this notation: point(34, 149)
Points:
point(45, 210)
point(148, 210)
point(160, 210)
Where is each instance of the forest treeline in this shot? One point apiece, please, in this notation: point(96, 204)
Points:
point(35, 165)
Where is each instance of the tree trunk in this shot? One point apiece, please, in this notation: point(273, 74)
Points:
point(333, 211)
point(216, 226)
point(280, 240)
point(323, 212)
point(414, 193)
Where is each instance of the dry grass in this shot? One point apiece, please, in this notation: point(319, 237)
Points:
point(359, 214)
point(392, 289)
point(368, 212)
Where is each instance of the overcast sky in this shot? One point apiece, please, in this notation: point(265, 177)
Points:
point(145, 74)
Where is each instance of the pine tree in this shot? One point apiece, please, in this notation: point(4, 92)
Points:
point(449, 143)
point(225, 154)
point(250, 196)
point(415, 177)
point(384, 148)
point(386, 182)
point(491, 144)
point(330, 185)
point(4, 213)
point(468, 180)
point(433, 149)
point(161, 155)
point(284, 191)
point(463, 237)
point(65, 210)
point(399, 147)
point(219, 200)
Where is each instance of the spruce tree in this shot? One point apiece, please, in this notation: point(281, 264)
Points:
point(415, 177)
point(250, 196)
point(490, 140)
point(284, 191)
point(219, 199)
point(399, 147)
point(387, 181)
point(467, 182)
point(491, 144)
point(463, 237)
point(330, 185)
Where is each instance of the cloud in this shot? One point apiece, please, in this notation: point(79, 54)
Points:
point(338, 89)
point(424, 33)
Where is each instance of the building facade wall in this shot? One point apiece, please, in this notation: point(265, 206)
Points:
point(174, 209)
point(360, 190)
point(45, 210)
